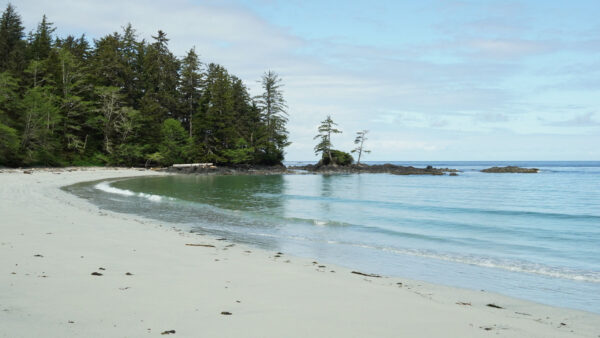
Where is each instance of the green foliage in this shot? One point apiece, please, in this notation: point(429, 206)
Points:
point(274, 112)
point(40, 119)
point(242, 153)
point(326, 128)
point(174, 140)
point(8, 98)
point(360, 142)
point(338, 157)
point(128, 154)
point(154, 158)
point(9, 145)
point(126, 101)
point(12, 45)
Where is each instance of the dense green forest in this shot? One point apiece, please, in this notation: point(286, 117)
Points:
point(125, 101)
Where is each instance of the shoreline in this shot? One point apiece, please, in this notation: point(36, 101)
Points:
point(174, 286)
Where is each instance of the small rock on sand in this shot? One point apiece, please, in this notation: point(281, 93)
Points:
point(168, 332)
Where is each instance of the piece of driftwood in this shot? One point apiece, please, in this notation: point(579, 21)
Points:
point(191, 165)
point(204, 245)
point(168, 332)
point(366, 274)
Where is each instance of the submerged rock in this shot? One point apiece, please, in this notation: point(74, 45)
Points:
point(511, 169)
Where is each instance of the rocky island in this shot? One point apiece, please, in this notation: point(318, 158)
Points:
point(373, 169)
point(511, 169)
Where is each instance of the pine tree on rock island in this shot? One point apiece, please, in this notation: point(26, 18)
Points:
point(330, 156)
point(360, 141)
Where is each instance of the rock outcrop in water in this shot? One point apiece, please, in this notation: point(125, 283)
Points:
point(374, 169)
point(229, 170)
point(511, 169)
point(311, 168)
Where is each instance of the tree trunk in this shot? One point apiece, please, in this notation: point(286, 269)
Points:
point(362, 140)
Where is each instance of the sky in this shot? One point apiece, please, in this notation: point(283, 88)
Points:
point(431, 79)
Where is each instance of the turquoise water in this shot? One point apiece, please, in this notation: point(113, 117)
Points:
point(531, 236)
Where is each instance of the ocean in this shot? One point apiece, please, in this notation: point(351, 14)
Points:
point(530, 236)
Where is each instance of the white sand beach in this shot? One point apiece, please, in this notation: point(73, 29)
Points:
point(150, 281)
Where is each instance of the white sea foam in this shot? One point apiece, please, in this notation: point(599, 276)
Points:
point(106, 187)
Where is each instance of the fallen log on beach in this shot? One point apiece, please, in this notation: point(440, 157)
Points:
point(193, 165)
point(204, 245)
point(366, 274)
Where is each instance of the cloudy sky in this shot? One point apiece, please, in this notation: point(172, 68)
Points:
point(431, 80)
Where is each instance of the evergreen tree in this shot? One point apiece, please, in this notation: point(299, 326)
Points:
point(106, 62)
point(216, 114)
point(73, 105)
point(78, 47)
point(274, 109)
point(40, 43)
point(131, 65)
point(324, 146)
point(160, 78)
point(360, 141)
point(9, 139)
point(12, 46)
point(190, 88)
point(8, 99)
point(9, 145)
point(173, 143)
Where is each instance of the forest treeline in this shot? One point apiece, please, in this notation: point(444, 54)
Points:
point(121, 100)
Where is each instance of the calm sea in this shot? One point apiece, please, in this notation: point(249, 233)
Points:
point(531, 236)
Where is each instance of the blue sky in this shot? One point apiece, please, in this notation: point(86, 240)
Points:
point(431, 80)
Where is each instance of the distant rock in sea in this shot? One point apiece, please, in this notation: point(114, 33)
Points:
point(511, 169)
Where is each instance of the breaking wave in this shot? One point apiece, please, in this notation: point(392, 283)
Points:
point(106, 187)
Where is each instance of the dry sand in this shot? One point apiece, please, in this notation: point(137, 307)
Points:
point(51, 242)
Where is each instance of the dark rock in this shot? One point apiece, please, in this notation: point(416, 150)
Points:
point(373, 169)
point(168, 332)
point(96, 274)
point(226, 313)
point(511, 169)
